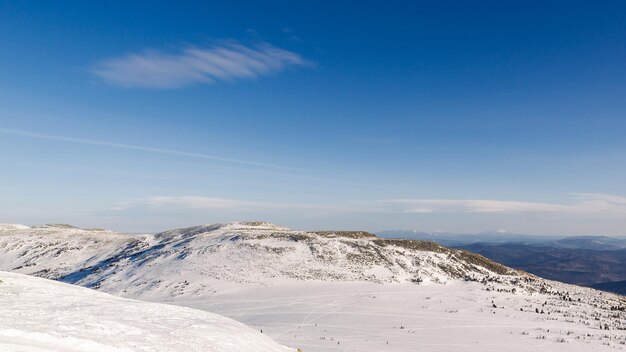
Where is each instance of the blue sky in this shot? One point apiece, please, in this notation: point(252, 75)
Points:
point(392, 115)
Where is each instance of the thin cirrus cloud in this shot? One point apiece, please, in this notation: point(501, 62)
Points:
point(581, 203)
point(217, 203)
point(248, 163)
point(227, 61)
point(426, 206)
point(592, 204)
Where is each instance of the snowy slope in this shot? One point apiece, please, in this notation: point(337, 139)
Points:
point(39, 315)
point(186, 260)
point(56, 251)
point(459, 316)
point(328, 291)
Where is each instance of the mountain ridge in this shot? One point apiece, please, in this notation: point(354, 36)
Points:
point(358, 251)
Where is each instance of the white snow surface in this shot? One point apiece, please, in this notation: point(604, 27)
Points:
point(459, 316)
point(42, 315)
point(329, 291)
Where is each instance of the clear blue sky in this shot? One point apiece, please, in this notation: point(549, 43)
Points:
point(416, 115)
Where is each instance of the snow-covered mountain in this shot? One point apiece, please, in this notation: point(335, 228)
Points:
point(39, 315)
point(326, 290)
point(183, 260)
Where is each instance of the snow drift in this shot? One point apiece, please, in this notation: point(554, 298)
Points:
point(41, 315)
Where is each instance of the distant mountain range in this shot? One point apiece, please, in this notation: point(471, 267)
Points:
point(594, 261)
point(599, 243)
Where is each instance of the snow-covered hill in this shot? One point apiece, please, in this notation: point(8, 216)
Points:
point(184, 260)
point(38, 315)
point(56, 251)
point(320, 289)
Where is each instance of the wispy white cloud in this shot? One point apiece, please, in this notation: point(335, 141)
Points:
point(591, 204)
point(229, 60)
point(144, 149)
point(599, 203)
point(202, 202)
point(217, 203)
point(466, 206)
point(582, 203)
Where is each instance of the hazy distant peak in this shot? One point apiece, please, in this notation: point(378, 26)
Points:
point(13, 227)
point(235, 226)
point(254, 225)
point(56, 226)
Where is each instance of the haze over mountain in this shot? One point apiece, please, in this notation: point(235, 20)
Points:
point(452, 239)
point(502, 236)
point(322, 290)
point(594, 261)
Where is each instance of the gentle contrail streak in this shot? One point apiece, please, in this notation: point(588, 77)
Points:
point(142, 148)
